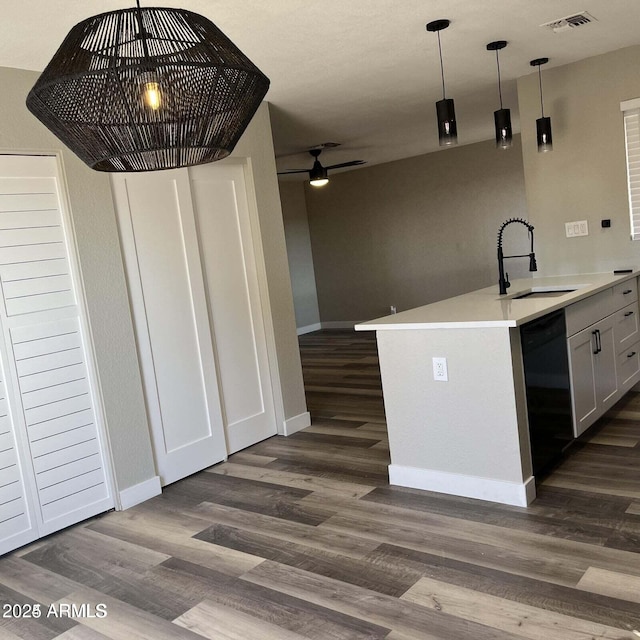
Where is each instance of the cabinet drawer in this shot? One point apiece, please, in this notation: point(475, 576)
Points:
point(588, 311)
point(626, 326)
point(625, 293)
point(629, 367)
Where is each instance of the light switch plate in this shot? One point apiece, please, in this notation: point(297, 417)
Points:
point(577, 228)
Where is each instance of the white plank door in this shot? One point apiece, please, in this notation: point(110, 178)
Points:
point(166, 287)
point(51, 381)
point(226, 242)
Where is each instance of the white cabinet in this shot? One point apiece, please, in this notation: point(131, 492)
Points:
point(604, 351)
point(594, 384)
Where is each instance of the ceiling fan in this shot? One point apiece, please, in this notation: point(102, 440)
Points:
point(318, 175)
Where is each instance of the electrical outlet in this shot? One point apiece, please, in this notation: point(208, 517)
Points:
point(440, 370)
point(393, 309)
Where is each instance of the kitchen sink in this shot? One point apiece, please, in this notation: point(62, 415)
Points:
point(541, 291)
point(542, 294)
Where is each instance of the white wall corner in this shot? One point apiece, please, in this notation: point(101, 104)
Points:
point(292, 425)
point(132, 496)
point(513, 493)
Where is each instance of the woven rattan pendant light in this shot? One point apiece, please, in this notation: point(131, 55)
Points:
point(147, 89)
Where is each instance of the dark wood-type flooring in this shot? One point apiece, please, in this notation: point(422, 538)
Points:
point(302, 537)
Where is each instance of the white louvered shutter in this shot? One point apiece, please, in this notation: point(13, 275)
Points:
point(51, 385)
point(631, 111)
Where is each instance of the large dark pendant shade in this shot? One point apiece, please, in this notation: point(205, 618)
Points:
point(147, 89)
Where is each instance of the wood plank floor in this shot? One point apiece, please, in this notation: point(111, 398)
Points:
point(302, 537)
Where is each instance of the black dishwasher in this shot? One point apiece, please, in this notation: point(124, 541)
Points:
point(546, 372)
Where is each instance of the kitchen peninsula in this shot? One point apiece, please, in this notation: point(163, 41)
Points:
point(468, 435)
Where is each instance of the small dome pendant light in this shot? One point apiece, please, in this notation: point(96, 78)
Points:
point(447, 128)
point(502, 117)
point(543, 124)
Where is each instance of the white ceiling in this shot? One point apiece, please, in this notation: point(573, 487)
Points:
point(364, 73)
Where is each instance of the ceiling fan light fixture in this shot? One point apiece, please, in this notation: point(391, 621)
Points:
point(318, 175)
point(445, 108)
point(148, 89)
point(501, 117)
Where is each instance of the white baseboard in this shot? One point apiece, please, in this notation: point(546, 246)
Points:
point(339, 324)
point(513, 493)
point(132, 496)
point(309, 328)
point(292, 425)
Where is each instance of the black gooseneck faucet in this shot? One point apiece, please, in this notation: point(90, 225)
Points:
point(503, 281)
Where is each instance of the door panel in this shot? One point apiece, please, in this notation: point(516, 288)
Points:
point(172, 327)
point(48, 374)
point(235, 308)
point(17, 525)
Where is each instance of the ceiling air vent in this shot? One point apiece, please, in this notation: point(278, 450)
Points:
point(570, 22)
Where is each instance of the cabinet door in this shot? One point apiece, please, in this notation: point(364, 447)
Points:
point(605, 365)
point(583, 379)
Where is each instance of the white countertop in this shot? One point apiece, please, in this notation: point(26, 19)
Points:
point(486, 308)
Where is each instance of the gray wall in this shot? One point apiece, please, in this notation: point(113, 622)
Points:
point(584, 177)
point(414, 231)
point(296, 229)
point(104, 282)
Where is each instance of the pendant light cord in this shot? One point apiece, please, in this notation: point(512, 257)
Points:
point(499, 80)
point(441, 66)
point(143, 35)
point(541, 101)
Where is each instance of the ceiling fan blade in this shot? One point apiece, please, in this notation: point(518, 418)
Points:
point(353, 163)
point(293, 171)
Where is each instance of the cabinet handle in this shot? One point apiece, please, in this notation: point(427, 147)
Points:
point(626, 291)
point(630, 355)
point(629, 313)
point(596, 334)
